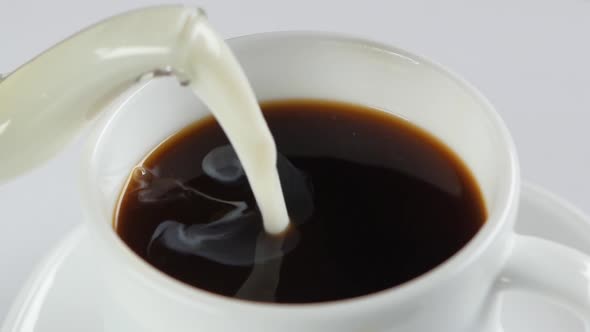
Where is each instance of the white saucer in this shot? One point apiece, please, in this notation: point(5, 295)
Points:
point(63, 294)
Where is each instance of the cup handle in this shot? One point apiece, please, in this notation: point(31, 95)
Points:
point(550, 269)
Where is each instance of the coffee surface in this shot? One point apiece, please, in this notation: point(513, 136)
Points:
point(374, 202)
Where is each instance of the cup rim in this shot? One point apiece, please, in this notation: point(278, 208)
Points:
point(168, 286)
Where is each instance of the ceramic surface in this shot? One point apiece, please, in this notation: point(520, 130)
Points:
point(64, 293)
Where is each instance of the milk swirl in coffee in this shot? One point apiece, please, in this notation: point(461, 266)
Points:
point(373, 202)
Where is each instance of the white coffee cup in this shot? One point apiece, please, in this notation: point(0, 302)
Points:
point(459, 295)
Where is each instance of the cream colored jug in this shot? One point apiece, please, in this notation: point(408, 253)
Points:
point(48, 100)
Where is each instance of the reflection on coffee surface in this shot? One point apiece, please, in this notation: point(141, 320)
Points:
point(373, 200)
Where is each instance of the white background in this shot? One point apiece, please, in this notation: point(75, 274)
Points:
point(530, 57)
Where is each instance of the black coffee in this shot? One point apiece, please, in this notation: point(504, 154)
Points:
point(374, 202)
